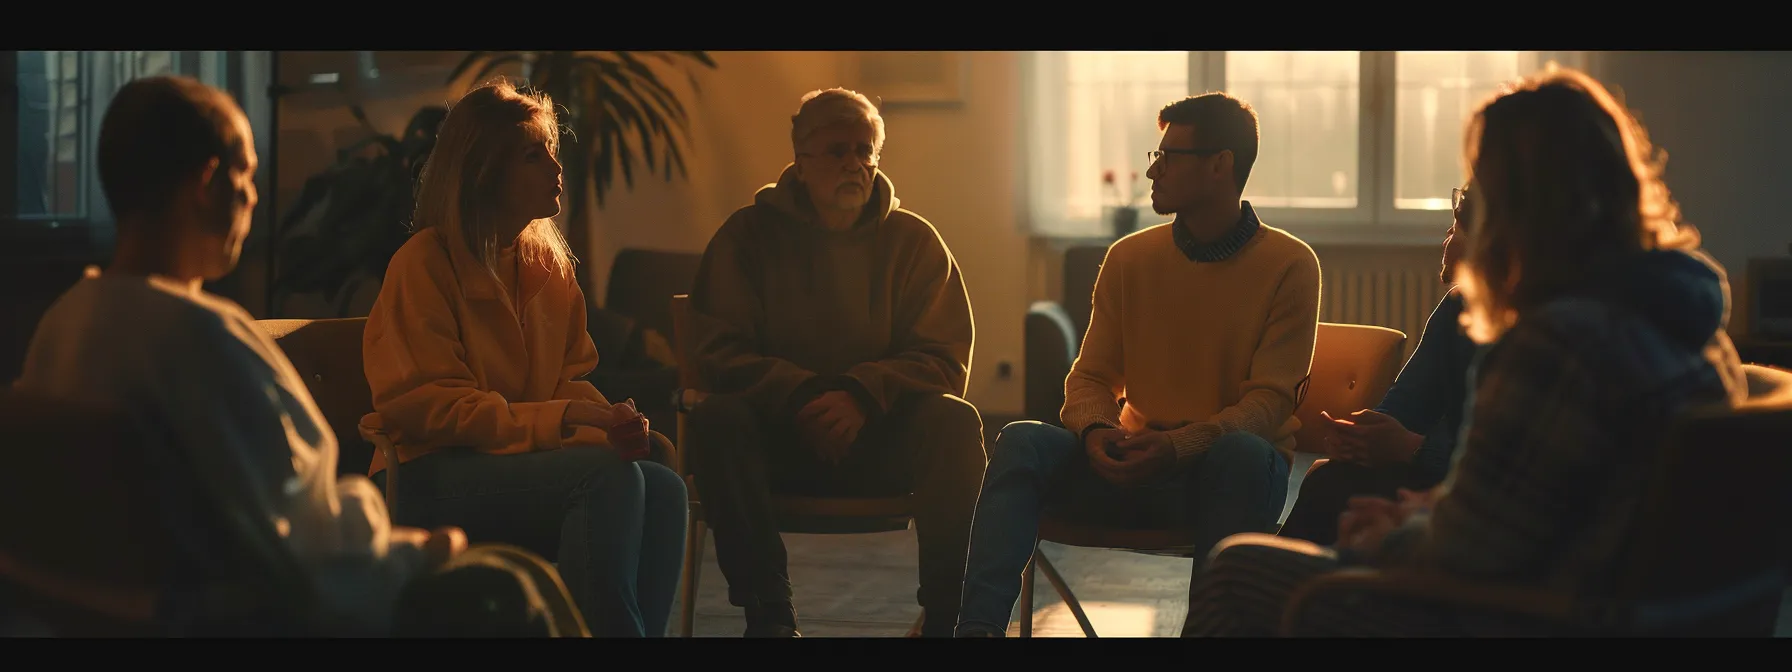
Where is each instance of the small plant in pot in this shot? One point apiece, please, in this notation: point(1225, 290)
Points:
point(1124, 215)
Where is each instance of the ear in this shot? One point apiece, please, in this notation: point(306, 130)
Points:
point(208, 177)
point(1223, 163)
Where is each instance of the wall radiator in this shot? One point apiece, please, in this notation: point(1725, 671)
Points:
point(1396, 298)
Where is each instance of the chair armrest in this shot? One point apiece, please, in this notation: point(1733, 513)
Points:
point(387, 449)
point(1544, 607)
point(125, 603)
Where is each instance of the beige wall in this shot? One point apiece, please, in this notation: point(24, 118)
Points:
point(953, 165)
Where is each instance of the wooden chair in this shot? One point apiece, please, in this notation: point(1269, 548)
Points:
point(1707, 551)
point(1353, 366)
point(85, 547)
point(327, 354)
point(796, 514)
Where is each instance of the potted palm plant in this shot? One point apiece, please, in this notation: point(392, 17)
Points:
point(619, 111)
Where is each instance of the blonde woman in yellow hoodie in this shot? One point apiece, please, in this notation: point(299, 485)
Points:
point(475, 352)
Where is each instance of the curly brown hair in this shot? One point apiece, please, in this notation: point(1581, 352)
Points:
point(1563, 177)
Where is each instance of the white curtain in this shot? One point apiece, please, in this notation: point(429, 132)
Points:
point(1084, 114)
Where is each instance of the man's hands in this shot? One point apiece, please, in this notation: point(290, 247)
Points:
point(1368, 521)
point(830, 424)
point(1370, 438)
point(439, 545)
point(1130, 461)
point(625, 426)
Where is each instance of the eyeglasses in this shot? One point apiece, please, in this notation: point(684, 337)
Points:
point(841, 153)
point(1156, 155)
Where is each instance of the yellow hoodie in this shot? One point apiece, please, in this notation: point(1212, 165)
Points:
point(450, 363)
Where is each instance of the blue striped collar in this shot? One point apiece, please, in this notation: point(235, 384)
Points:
point(1224, 248)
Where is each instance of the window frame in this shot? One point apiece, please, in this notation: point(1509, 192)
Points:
point(1375, 220)
point(92, 226)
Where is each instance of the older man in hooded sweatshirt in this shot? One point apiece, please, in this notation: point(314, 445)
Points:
point(834, 334)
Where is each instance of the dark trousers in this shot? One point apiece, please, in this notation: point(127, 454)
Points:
point(617, 528)
point(1238, 485)
point(930, 446)
point(1326, 491)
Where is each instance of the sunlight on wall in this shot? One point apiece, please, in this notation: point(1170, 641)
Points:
point(954, 164)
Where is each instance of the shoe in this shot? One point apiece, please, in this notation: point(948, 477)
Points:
point(944, 629)
point(969, 630)
point(772, 631)
point(777, 619)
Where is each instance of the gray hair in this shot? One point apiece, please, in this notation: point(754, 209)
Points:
point(825, 107)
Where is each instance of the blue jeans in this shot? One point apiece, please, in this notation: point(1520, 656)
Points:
point(618, 528)
point(1238, 485)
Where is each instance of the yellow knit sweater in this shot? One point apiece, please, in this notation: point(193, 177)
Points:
point(1198, 349)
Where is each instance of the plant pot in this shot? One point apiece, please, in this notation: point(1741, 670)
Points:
point(1125, 221)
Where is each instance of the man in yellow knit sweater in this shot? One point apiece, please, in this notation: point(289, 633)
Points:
point(1179, 411)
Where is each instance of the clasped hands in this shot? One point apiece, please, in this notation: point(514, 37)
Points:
point(829, 424)
point(625, 426)
point(1370, 438)
point(1130, 459)
point(1367, 522)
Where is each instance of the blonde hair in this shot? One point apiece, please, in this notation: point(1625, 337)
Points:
point(464, 173)
point(1563, 177)
point(825, 107)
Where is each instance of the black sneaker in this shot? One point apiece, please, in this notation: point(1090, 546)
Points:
point(776, 619)
point(967, 630)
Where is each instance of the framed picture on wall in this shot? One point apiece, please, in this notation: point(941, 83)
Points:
point(913, 77)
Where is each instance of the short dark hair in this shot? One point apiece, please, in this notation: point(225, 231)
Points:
point(1221, 122)
point(157, 132)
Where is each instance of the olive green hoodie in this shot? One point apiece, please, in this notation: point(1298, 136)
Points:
point(786, 309)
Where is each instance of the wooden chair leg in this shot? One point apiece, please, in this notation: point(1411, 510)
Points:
point(693, 570)
point(1063, 588)
point(1026, 594)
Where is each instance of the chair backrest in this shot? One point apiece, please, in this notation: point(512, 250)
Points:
point(1708, 548)
point(1353, 367)
point(641, 281)
point(327, 354)
point(77, 492)
point(1051, 347)
point(104, 516)
point(1081, 264)
point(680, 310)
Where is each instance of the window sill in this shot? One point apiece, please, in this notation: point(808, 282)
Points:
point(1313, 234)
point(40, 240)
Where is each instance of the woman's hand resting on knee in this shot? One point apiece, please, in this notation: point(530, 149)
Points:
point(625, 426)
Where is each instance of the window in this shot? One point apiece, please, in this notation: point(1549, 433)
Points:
point(1307, 104)
point(62, 96)
point(1333, 163)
